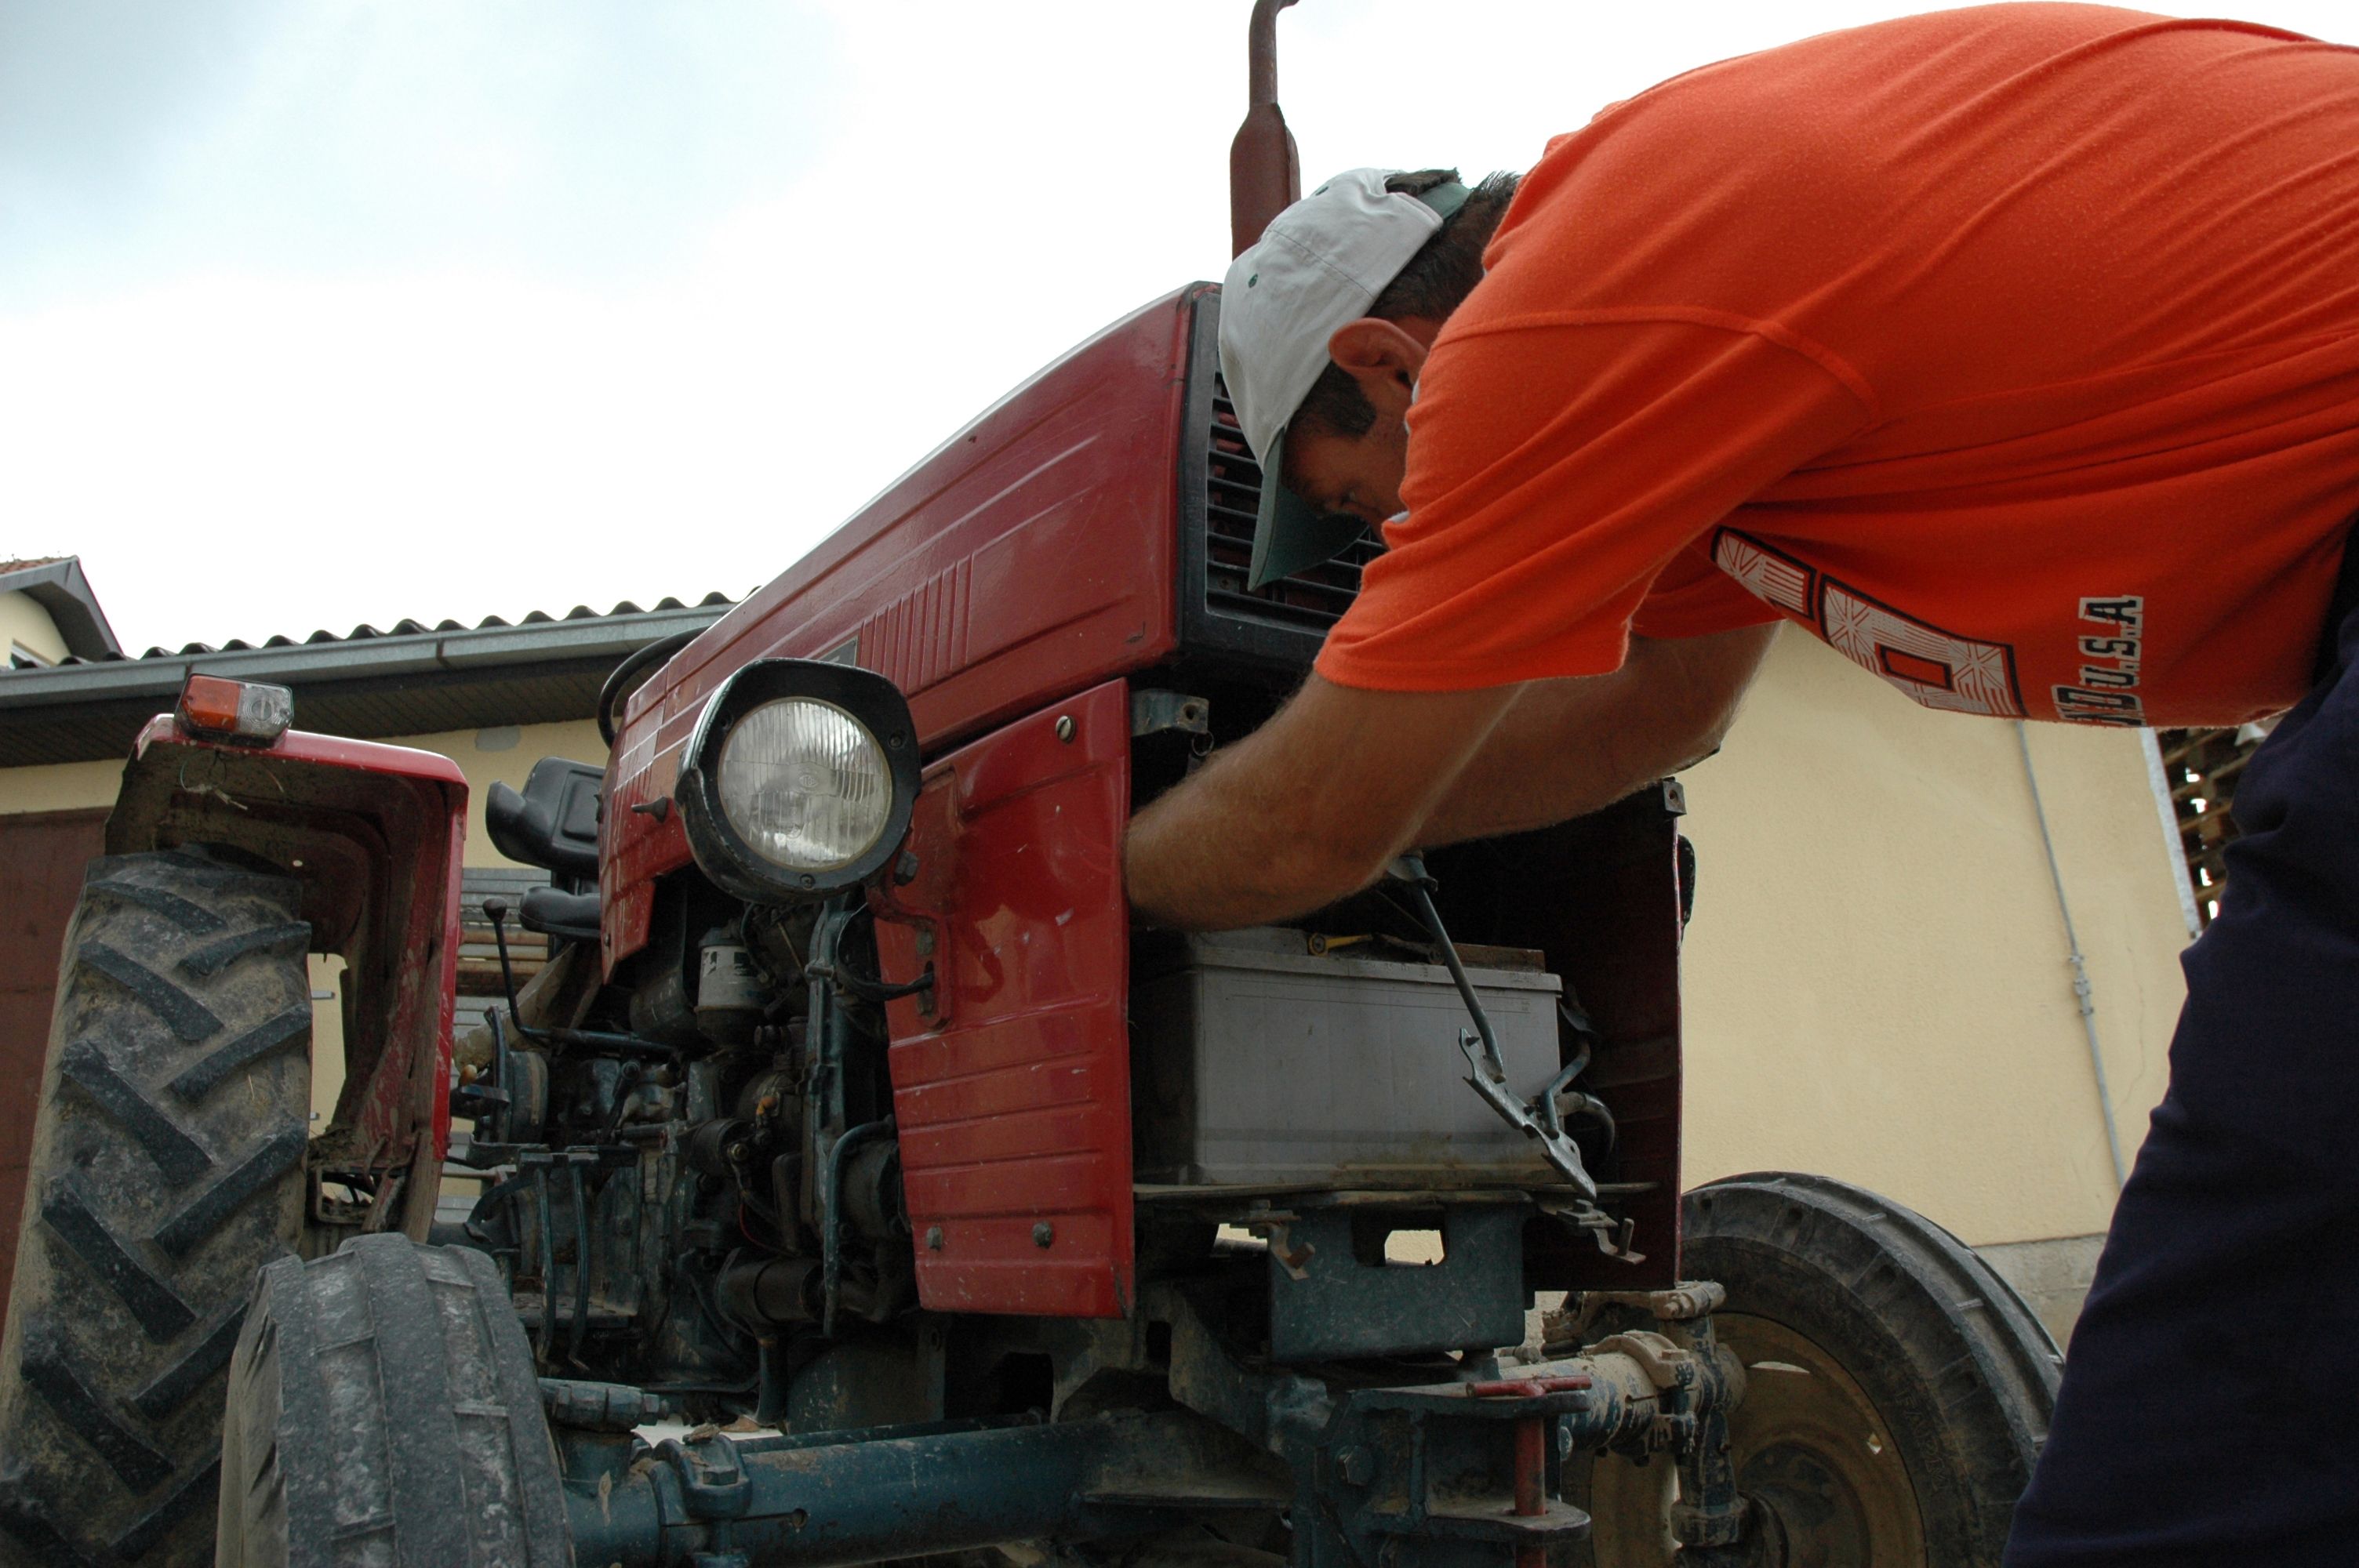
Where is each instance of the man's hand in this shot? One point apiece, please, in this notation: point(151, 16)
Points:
point(1312, 806)
point(1308, 808)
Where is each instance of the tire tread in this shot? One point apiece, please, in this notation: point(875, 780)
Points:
point(1962, 1370)
point(384, 1409)
point(158, 1183)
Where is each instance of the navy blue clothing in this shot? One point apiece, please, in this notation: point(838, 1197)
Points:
point(2210, 1412)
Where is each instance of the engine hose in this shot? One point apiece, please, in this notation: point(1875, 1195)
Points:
point(728, 1328)
point(1589, 1107)
point(831, 1216)
point(771, 1384)
point(1581, 1053)
point(868, 988)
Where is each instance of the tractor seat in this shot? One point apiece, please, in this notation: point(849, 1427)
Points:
point(553, 912)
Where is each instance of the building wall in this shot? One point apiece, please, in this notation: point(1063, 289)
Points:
point(25, 623)
point(45, 853)
point(506, 755)
point(61, 786)
point(1876, 978)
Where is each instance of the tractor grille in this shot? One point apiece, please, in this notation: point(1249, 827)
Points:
point(1311, 600)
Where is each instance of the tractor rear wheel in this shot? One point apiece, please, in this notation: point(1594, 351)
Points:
point(167, 1166)
point(1897, 1389)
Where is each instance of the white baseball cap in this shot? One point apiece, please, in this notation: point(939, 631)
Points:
point(1320, 263)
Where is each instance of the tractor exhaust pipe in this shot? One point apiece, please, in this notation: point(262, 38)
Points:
point(1264, 171)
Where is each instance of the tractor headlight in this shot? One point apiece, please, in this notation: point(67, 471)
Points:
point(805, 784)
point(800, 779)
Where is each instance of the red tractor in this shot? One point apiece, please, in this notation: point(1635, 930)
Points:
point(856, 1109)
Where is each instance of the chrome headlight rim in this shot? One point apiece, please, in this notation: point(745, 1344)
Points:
point(724, 854)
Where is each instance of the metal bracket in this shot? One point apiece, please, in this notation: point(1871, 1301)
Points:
point(712, 1480)
point(1667, 1365)
point(1490, 1080)
point(1458, 1472)
point(1329, 1298)
point(1153, 713)
point(1612, 1237)
point(916, 894)
point(1292, 1257)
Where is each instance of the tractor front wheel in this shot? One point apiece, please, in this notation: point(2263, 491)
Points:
point(1897, 1389)
point(384, 1413)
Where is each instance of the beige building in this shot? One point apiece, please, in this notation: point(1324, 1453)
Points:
point(1880, 983)
point(1880, 977)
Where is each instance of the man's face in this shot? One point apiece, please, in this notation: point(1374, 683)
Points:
point(1357, 475)
point(1360, 476)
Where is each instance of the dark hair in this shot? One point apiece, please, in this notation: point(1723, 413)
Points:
point(1436, 281)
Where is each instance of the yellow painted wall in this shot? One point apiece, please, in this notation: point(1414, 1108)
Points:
point(25, 622)
point(61, 786)
point(506, 755)
point(1876, 978)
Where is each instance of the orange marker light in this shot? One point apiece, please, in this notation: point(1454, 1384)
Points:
point(236, 711)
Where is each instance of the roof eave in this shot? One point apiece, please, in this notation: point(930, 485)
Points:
point(60, 589)
point(160, 675)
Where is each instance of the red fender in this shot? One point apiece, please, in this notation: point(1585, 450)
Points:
point(378, 836)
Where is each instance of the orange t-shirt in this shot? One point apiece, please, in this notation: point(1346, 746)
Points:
point(2013, 351)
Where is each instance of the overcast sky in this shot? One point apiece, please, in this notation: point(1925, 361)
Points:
point(317, 312)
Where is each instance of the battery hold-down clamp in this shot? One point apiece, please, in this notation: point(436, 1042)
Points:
point(1538, 1118)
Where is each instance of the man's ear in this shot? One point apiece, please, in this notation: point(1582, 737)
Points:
point(1382, 357)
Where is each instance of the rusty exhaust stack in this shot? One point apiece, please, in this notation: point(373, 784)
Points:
point(1265, 172)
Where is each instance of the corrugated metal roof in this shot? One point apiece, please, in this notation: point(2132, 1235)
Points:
point(409, 679)
point(403, 628)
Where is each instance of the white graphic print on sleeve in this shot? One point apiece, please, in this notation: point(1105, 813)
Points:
point(1937, 668)
point(1955, 674)
point(1767, 576)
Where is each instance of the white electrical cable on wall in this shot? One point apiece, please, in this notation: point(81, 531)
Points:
point(2080, 987)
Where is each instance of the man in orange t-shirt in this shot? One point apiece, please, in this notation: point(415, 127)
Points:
point(2015, 352)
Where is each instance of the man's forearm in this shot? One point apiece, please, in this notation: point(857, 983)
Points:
point(1569, 747)
point(1310, 806)
point(1304, 811)
point(1221, 854)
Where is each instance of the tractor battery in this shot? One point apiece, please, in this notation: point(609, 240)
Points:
point(1259, 1063)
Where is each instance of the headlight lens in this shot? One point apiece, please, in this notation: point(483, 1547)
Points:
point(805, 784)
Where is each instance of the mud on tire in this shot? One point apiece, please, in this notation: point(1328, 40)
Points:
point(167, 1166)
point(384, 1410)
